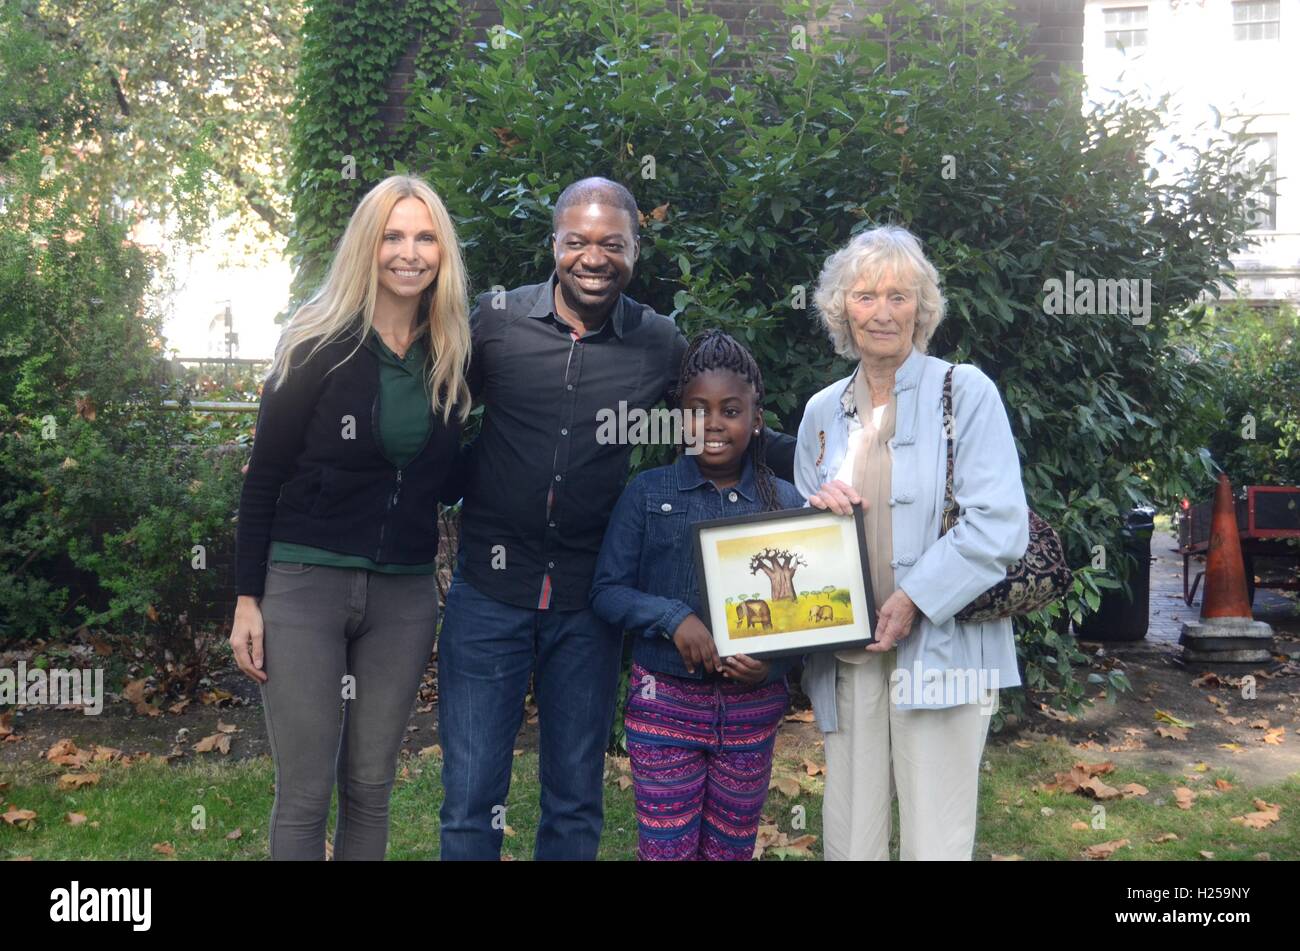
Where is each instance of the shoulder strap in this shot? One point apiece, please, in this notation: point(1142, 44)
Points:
point(949, 427)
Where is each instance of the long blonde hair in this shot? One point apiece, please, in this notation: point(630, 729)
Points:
point(351, 285)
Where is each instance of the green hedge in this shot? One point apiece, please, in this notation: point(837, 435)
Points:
point(1253, 414)
point(103, 492)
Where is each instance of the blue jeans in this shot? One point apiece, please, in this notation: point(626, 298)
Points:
point(486, 651)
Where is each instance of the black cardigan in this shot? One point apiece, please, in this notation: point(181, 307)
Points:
point(318, 475)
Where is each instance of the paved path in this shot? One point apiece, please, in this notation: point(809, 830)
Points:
point(1168, 612)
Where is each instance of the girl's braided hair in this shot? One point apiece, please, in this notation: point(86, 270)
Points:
point(715, 350)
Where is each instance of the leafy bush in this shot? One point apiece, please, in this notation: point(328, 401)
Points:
point(103, 491)
point(1255, 362)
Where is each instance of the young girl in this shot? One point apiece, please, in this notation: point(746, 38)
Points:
point(338, 521)
point(700, 729)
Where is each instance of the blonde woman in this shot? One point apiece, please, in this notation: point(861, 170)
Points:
point(359, 426)
point(915, 705)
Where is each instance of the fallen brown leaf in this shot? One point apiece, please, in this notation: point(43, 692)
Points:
point(1082, 776)
point(164, 848)
point(1267, 813)
point(65, 753)
point(74, 818)
point(1099, 789)
point(217, 741)
point(788, 786)
point(22, 818)
point(77, 780)
point(1078, 825)
point(1165, 837)
point(1104, 850)
point(1223, 785)
point(1172, 732)
point(1274, 736)
point(1133, 789)
point(1184, 797)
point(237, 834)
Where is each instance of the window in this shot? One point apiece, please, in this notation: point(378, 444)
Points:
point(1126, 27)
point(1256, 19)
point(1262, 153)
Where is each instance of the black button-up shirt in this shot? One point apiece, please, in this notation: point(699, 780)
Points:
point(538, 487)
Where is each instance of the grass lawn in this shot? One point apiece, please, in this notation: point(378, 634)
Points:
point(134, 808)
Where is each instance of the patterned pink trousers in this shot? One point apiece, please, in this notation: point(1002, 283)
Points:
point(701, 757)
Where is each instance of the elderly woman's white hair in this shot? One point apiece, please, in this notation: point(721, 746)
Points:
point(887, 249)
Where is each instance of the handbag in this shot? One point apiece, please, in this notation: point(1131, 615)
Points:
point(1040, 577)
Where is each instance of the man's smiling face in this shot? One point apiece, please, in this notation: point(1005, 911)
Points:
point(594, 255)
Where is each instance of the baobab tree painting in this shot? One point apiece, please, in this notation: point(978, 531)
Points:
point(813, 558)
point(780, 566)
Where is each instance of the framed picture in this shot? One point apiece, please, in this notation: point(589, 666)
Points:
point(788, 582)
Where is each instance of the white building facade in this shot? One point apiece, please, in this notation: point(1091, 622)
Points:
point(1239, 57)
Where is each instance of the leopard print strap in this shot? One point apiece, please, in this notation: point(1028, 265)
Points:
point(950, 511)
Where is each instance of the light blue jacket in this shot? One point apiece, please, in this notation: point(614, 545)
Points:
point(942, 575)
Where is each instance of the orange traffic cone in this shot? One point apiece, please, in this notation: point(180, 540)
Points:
point(1225, 572)
point(1226, 632)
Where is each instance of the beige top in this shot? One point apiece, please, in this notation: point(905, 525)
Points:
point(867, 467)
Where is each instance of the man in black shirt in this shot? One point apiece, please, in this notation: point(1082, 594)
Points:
point(539, 487)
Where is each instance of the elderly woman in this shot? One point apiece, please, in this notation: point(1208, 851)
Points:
point(918, 701)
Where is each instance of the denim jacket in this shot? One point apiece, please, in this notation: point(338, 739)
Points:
point(645, 575)
point(940, 574)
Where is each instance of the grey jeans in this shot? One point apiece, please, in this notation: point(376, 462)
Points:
point(345, 650)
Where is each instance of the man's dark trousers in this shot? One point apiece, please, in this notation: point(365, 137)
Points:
point(486, 652)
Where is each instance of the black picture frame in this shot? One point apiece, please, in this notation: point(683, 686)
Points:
point(814, 642)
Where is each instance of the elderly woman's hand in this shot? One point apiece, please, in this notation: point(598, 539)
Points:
point(897, 615)
point(839, 497)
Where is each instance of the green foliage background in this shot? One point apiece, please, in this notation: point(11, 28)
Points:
point(349, 50)
point(103, 491)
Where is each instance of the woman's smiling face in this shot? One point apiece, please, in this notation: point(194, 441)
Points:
point(408, 255)
point(882, 318)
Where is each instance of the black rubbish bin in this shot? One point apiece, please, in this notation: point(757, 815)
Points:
point(1119, 617)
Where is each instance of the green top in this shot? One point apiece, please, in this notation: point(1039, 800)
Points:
point(404, 421)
